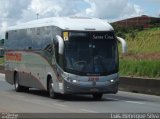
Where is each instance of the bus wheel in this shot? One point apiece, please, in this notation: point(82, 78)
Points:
point(17, 87)
point(52, 94)
point(97, 96)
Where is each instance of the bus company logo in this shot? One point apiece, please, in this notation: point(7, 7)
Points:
point(13, 56)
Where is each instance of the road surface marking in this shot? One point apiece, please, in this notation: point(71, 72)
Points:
point(61, 105)
point(113, 99)
point(135, 102)
point(86, 110)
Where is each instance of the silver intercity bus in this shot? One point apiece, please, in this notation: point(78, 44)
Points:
point(63, 56)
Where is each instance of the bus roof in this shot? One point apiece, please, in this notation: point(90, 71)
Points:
point(68, 23)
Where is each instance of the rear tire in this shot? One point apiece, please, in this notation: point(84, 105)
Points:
point(51, 92)
point(17, 86)
point(97, 96)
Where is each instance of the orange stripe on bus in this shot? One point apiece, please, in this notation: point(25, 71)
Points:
point(14, 56)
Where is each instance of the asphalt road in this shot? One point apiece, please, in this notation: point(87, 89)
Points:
point(36, 101)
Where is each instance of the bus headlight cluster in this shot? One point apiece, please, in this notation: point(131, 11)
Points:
point(112, 80)
point(72, 80)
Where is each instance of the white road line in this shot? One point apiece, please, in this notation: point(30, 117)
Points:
point(61, 105)
point(89, 111)
point(135, 102)
point(113, 99)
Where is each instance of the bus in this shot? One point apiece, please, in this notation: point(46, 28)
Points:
point(63, 55)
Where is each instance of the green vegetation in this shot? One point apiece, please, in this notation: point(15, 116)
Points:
point(143, 56)
point(140, 68)
point(1, 60)
point(146, 41)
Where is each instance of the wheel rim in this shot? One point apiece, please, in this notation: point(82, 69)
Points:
point(16, 83)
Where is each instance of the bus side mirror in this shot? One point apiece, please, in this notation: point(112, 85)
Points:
point(60, 44)
point(124, 45)
point(56, 47)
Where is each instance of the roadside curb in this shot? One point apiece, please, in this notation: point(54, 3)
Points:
point(2, 69)
point(140, 85)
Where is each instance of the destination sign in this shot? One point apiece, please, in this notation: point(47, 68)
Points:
point(105, 36)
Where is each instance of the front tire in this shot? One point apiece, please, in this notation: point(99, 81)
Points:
point(51, 92)
point(17, 87)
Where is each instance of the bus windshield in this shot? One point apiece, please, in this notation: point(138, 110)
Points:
point(91, 53)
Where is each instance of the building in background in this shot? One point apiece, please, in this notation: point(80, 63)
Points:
point(141, 21)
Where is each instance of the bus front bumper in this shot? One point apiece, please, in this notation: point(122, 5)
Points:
point(71, 88)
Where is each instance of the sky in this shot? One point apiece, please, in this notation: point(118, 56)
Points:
point(17, 11)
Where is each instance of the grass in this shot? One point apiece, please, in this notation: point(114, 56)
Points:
point(146, 41)
point(140, 68)
point(143, 55)
point(1, 60)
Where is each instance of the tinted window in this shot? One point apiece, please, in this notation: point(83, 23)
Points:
point(91, 53)
point(32, 39)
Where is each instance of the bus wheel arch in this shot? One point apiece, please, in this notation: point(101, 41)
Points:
point(17, 86)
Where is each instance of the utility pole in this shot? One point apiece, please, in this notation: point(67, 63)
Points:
point(37, 15)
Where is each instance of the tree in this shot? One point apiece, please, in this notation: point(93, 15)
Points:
point(2, 41)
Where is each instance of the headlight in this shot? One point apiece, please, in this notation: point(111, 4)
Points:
point(73, 80)
point(112, 80)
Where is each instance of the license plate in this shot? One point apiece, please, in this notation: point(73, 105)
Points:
point(94, 90)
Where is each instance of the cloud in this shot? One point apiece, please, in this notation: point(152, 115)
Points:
point(159, 13)
point(11, 11)
point(56, 7)
point(112, 9)
point(155, 1)
point(44, 7)
point(3, 29)
point(27, 9)
point(16, 11)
